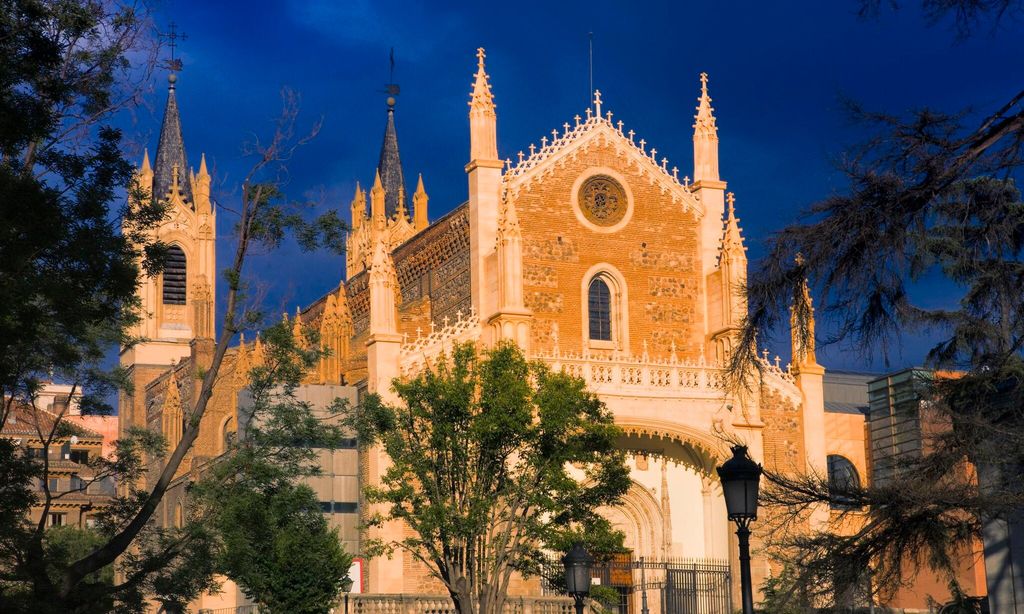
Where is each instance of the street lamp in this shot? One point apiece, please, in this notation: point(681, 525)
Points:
point(740, 477)
point(578, 564)
point(346, 587)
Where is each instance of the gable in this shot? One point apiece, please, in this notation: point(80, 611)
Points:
point(600, 133)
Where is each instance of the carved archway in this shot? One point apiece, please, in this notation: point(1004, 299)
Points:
point(639, 516)
point(700, 451)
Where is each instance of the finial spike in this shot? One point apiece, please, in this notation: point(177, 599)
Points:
point(146, 168)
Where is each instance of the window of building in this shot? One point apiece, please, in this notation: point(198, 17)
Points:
point(175, 281)
point(843, 480)
point(77, 483)
point(54, 485)
point(599, 305)
point(79, 456)
point(227, 434)
point(56, 519)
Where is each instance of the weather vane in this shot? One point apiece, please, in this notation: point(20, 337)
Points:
point(174, 64)
point(391, 88)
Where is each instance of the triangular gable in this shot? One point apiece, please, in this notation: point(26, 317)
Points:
point(566, 147)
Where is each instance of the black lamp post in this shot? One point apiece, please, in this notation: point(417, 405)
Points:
point(578, 564)
point(346, 587)
point(740, 478)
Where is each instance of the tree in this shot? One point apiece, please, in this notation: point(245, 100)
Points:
point(928, 195)
point(271, 537)
point(494, 461)
point(67, 289)
point(278, 548)
point(67, 275)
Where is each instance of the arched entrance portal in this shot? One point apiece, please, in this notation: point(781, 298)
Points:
point(674, 523)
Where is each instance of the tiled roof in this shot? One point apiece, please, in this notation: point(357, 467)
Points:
point(26, 421)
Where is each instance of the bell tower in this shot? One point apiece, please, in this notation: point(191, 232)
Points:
point(177, 305)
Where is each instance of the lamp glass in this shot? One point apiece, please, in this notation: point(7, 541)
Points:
point(740, 484)
point(578, 564)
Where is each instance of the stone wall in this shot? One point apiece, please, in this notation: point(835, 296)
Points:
point(657, 253)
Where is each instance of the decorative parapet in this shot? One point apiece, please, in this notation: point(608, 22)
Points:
point(657, 377)
point(381, 603)
point(637, 375)
point(774, 369)
point(566, 144)
point(419, 352)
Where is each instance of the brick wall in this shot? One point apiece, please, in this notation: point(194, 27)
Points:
point(657, 253)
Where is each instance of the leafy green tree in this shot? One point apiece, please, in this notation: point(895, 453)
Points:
point(930, 197)
point(494, 460)
point(70, 261)
point(278, 547)
point(270, 535)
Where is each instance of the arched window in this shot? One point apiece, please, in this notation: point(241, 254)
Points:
point(843, 480)
point(175, 281)
point(179, 515)
point(599, 306)
point(227, 434)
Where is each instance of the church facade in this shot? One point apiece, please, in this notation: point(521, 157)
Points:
point(590, 252)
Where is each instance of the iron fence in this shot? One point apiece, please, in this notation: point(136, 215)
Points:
point(657, 586)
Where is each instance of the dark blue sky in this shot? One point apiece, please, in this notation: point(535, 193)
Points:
point(778, 72)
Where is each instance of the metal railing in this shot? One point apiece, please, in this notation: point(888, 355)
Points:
point(658, 586)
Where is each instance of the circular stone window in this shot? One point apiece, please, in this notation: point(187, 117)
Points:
point(603, 201)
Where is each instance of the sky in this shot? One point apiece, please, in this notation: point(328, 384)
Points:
point(779, 73)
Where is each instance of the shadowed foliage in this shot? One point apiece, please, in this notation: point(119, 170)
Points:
point(932, 198)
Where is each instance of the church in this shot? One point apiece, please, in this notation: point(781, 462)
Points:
point(590, 252)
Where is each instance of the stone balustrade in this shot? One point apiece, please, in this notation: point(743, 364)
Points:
point(643, 376)
point(380, 603)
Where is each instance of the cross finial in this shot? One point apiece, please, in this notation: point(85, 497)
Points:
point(597, 102)
point(174, 64)
point(480, 55)
point(731, 199)
point(704, 83)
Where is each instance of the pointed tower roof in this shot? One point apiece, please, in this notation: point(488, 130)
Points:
point(390, 165)
point(481, 99)
point(705, 117)
point(170, 152)
point(732, 238)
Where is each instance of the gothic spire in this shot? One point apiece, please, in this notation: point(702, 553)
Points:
point(482, 100)
point(483, 139)
point(170, 152)
point(705, 117)
point(705, 137)
point(732, 238)
point(390, 165)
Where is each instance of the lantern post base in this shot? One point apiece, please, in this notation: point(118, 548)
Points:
point(743, 533)
point(579, 599)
